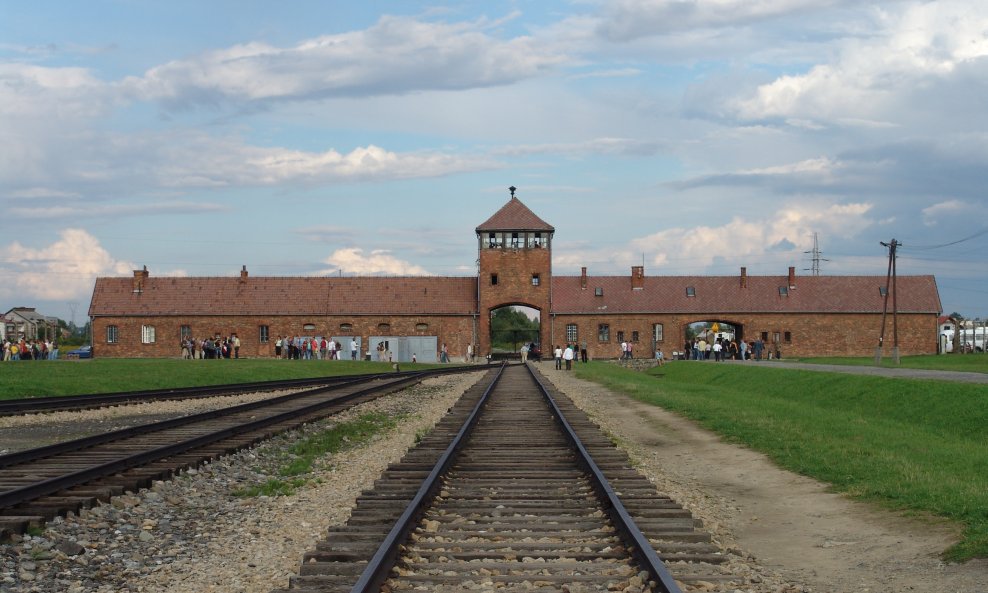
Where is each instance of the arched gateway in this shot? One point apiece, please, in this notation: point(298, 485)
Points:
point(515, 255)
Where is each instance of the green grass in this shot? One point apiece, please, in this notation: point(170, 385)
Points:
point(918, 446)
point(303, 455)
point(974, 363)
point(104, 375)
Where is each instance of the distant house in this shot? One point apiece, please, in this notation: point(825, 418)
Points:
point(27, 323)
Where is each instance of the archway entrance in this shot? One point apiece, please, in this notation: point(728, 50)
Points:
point(512, 328)
point(711, 331)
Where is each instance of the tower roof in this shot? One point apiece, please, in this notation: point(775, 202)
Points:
point(515, 216)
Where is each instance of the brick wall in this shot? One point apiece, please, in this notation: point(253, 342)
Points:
point(810, 334)
point(514, 269)
point(456, 331)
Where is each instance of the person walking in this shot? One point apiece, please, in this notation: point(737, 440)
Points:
point(557, 354)
point(568, 356)
point(524, 353)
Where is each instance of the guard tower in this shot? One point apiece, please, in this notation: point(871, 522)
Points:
point(515, 259)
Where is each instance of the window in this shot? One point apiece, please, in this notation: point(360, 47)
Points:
point(765, 336)
point(788, 337)
point(147, 334)
point(691, 291)
point(262, 334)
point(620, 336)
point(571, 333)
point(775, 337)
point(598, 291)
point(603, 333)
point(657, 332)
point(186, 332)
point(309, 327)
point(111, 334)
point(493, 279)
point(883, 290)
point(384, 327)
point(535, 240)
point(346, 327)
point(515, 241)
point(421, 327)
point(634, 336)
point(535, 279)
point(783, 291)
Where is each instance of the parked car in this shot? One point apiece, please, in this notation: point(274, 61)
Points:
point(83, 352)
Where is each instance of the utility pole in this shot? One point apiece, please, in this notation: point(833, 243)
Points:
point(816, 259)
point(889, 279)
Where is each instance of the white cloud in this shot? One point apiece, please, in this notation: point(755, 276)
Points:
point(396, 55)
point(624, 20)
point(353, 262)
point(748, 238)
point(950, 211)
point(619, 146)
point(64, 270)
point(871, 79)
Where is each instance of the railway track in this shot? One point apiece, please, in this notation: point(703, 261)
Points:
point(38, 484)
point(35, 405)
point(515, 489)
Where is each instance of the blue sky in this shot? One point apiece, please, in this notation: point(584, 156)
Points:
point(309, 138)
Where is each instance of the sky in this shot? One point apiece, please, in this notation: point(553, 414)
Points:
point(340, 138)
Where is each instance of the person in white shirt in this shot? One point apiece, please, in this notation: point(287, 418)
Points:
point(568, 357)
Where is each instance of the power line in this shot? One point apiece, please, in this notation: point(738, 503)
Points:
point(929, 247)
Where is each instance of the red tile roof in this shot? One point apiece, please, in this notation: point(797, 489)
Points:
point(716, 294)
point(285, 296)
point(515, 216)
point(457, 296)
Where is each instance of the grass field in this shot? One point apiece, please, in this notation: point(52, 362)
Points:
point(105, 375)
point(912, 445)
point(974, 363)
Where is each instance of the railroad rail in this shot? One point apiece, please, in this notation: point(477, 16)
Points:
point(35, 405)
point(38, 484)
point(515, 489)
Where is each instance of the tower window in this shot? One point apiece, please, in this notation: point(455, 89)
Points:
point(535, 279)
point(493, 279)
point(515, 241)
point(598, 291)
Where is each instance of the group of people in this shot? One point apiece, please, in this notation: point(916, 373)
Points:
point(212, 348)
point(30, 349)
point(724, 349)
point(566, 356)
point(308, 348)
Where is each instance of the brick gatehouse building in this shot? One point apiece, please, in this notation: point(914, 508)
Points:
point(147, 316)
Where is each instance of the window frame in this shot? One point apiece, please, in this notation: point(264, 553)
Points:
point(147, 334)
point(263, 334)
point(603, 332)
point(112, 334)
point(572, 332)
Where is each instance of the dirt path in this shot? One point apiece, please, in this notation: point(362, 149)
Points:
point(789, 523)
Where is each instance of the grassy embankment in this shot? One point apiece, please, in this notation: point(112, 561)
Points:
point(918, 446)
point(973, 363)
point(105, 375)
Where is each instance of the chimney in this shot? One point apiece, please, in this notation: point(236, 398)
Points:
point(637, 277)
point(744, 277)
point(140, 276)
point(792, 277)
point(583, 278)
point(243, 275)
